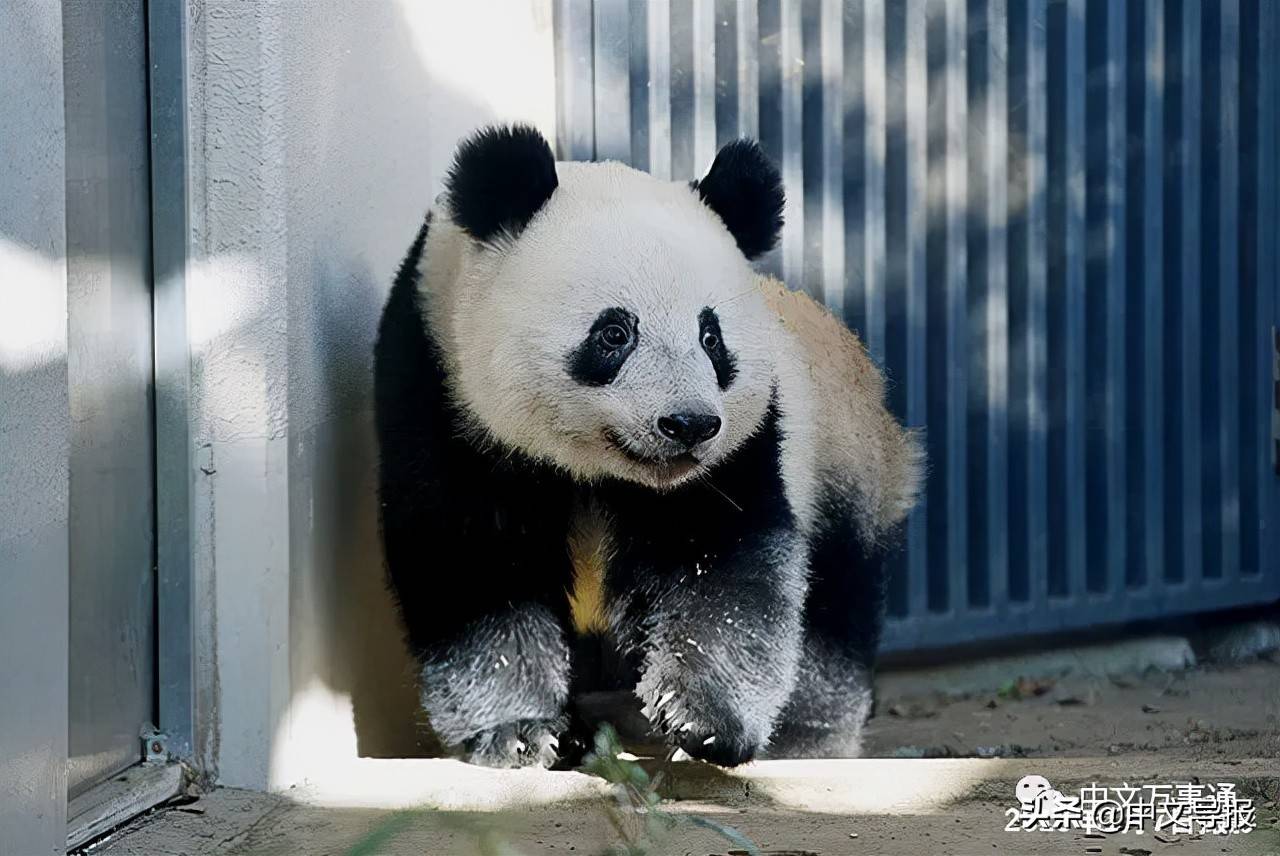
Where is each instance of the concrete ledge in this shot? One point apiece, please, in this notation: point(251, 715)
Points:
point(1241, 642)
point(856, 786)
point(442, 783)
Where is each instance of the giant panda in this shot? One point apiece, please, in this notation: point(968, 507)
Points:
point(601, 429)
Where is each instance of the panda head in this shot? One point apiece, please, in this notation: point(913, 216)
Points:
point(607, 321)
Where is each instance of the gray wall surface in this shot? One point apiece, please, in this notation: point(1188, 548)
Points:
point(319, 134)
point(34, 432)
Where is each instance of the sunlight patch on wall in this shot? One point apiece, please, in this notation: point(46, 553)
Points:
point(315, 740)
point(235, 314)
point(33, 308)
point(498, 54)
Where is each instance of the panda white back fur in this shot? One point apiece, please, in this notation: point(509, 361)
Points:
point(600, 429)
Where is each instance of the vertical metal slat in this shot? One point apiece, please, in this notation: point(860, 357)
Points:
point(946, 267)
point(913, 283)
point(875, 136)
point(660, 88)
point(1153, 287)
point(1038, 300)
point(1066, 84)
point(1268, 287)
point(1228, 291)
point(638, 64)
point(748, 69)
point(575, 83)
point(1184, 342)
point(726, 69)
point(1259, 496)
point(831, 236)
point(683, 57)
point(611, 50)
point(989, 306)
point(791, 72)
point(1074, 282)
point(1116, 244)
point(814, 139)
point(852, 127)
point(1097, 113)
point(704, 85)
point(1028, 490)
point(769, 110)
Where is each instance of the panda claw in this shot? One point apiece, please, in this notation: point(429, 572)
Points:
point(527, 743)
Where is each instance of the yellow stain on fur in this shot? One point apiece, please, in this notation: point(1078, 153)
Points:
point(589, 550)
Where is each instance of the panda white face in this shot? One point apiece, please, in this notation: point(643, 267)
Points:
point(600, 319)
point(620, 334)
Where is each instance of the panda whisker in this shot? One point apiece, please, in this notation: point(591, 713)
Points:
point(705, 478)
point(747, 293)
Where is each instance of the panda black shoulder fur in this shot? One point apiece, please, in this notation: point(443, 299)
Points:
point(597, 422)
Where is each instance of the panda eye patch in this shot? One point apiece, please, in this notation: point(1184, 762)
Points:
point(712, 338)
point(612, 338)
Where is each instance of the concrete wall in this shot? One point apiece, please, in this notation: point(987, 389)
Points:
point(319, 134)
point(34, 431)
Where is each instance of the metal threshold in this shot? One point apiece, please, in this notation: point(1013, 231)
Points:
point(120, 799)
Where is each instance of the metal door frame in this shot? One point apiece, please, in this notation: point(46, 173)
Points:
point(175, 624)
point(169, 756)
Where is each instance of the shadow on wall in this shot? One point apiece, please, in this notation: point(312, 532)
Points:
point(364, 654)
point(366, 148)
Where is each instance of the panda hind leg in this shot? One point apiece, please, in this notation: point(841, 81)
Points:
point(825, 714)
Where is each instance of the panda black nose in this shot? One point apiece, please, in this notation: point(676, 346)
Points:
point(689, 428)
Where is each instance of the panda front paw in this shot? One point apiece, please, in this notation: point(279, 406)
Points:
point(526, 743)
point(726, 745)
point(704, 731)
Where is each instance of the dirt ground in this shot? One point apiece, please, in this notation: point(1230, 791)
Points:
point(1211, 723)
point(1206, 713)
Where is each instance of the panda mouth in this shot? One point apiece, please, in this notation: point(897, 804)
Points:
point(673, 465)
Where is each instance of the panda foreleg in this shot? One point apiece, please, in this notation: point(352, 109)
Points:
point(721, 641)
point(497, 689)
point(478, 581)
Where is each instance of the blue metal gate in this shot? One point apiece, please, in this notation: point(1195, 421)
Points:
point(1054, 224)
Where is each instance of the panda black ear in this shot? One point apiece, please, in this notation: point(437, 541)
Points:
point(743, 187)
point(501, 176)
